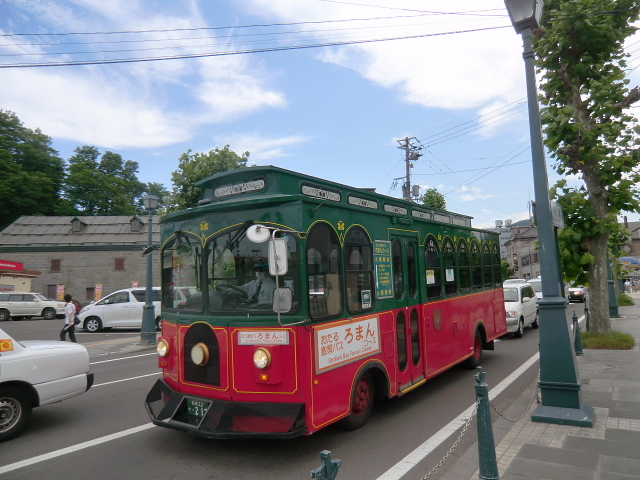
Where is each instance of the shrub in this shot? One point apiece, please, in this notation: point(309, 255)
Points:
point(625, 300)
point(609, 341)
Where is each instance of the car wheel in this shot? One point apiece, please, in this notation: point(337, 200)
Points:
point(518, 333)
point(158, 324)
point(474, 360)
point(15, 411)
point(28, 318)
point(361, 404)
point(4, 315)
point(536, 322)
point(93, 324)
point(17, 319)
point(49, 314)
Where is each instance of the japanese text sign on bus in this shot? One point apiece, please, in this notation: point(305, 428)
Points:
point(382, 262)
point(344, 342)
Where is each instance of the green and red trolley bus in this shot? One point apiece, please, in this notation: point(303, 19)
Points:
point(290, 303)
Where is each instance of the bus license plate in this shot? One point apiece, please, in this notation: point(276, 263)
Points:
point(197, 408)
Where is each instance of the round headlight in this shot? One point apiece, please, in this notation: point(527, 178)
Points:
point(200, 354)
point(163, 348)
point(262, 358)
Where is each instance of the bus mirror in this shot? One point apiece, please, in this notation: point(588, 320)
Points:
point(258, 233)
point(282, 300)
point(278, 257)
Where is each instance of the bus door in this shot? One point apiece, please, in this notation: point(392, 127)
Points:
point(408, 324)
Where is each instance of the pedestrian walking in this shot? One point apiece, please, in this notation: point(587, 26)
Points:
point(69, 320)
point(627, 286)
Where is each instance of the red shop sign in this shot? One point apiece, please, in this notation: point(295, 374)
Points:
point(7, 265)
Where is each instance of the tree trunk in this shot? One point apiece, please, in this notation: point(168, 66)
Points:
point(599, 286)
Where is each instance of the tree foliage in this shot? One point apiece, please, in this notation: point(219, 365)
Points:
point(102, 186)
point(589, 131)
point(194, 167)
point(32, 172)
point(434, 199)
point(507, 270)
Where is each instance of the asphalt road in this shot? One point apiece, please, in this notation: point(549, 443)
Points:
point(115, 404)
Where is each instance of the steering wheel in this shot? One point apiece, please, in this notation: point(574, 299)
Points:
point(225, 288)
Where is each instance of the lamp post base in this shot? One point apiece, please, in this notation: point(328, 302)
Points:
point(579, 417)
point(148, 330)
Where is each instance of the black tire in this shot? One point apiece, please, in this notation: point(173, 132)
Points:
point(518, 333)
point(4, 315)
point(158, 324)
point(17, 319)
point(476, 357)
point(536, 322)
point(92, 324)
point(361, 404)
point(48, 314)
point(15, 412)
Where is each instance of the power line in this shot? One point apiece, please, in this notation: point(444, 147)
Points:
point(472, 169)
point(240, 52)
point(423, 11)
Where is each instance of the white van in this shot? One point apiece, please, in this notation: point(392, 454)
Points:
point(119, 309)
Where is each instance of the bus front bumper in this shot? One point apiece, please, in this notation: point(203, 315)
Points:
point(212, 418)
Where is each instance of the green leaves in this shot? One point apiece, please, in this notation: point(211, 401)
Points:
point(434, 199)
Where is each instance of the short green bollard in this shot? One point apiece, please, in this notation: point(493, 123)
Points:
point(577, 338)
point(586, 315)
point(329, 468)
point(486, 444)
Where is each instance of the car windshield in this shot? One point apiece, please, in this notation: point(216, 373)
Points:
point(510, 294)
point(536, 283)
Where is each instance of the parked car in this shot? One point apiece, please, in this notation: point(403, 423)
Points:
point(536, 283)
point(21, 305)
point(118, 309)
point(521, 306)
point(35, 373)
point(514, 280)
point(577, 294)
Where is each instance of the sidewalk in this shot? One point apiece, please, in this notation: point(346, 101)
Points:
point(608, 451)
point(117, 347)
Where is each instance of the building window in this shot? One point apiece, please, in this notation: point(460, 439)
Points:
point(119, 264)
point(55, 265)
point(135, 225)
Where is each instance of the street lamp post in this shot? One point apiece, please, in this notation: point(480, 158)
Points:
point(559, 382)
point(148, 331)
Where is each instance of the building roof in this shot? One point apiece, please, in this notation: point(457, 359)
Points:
point(57, 231)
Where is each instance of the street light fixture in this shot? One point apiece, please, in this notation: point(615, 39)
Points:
point(559, 377)
point(148, 330)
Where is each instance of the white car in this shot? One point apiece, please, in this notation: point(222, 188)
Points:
point(27, 304)
point(119, 309)
point(34, 373)
point(521, 305)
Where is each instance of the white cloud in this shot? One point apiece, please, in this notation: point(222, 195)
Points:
point(476, 195)
point(263, 149)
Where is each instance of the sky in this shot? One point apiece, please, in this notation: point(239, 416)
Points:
point(323, 87)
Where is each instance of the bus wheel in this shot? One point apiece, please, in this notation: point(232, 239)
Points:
point(474, 360)
point(361, 404)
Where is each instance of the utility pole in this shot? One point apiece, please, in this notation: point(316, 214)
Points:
point(411, 153)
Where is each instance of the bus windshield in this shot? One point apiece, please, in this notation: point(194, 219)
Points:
point(238, 276)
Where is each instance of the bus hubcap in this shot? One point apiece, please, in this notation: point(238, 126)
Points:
point(362, 398)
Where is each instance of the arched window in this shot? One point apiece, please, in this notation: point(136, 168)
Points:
point(323, 272)
point(398, 273)
point(450, 276)
point(464, 268)
point(359, 268)
point(433, 273)
point(497, 266)
point(476, 265)
point(486, 265)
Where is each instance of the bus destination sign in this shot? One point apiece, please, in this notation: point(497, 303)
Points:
point(382, 262)
point(346, 342)
point(263, 337)
point(238, 188)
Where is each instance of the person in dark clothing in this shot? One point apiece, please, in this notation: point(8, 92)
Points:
point(69, 320)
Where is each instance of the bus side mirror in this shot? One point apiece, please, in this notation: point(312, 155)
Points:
point(282, 300)
point(278, 264)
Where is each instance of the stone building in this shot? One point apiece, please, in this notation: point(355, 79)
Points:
point(86, 256)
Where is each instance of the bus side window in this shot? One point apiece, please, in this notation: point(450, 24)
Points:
point(486, 266)
point(464, 267)
point(412, 269)
point(359, 269)
point(323, 272)
point(433, 272)
point(497, 267)
point(476, 265)
point(451, 282)
point(398, 274)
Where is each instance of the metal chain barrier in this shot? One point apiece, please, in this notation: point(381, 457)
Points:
point(455, 444)
point(535, 396)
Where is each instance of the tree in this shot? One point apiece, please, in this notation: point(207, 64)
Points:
point(507, 270)
point(32, 172)
point(198, 166)
point(156, 189)
point(589, 131)
point(102, 186)
point(434, 199)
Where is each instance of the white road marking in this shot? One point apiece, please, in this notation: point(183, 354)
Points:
point(73, 448)
point(407, 463)
point(125, 379)
point(124, 358)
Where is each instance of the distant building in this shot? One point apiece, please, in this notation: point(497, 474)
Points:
point(504, 230)
point(522, 250)
point(86, 256)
